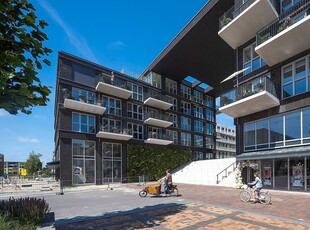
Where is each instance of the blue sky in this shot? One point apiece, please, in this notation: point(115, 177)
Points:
point(117, 34)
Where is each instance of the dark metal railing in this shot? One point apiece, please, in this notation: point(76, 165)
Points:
point(286, 20)
point(233, 166)
point(262, 83)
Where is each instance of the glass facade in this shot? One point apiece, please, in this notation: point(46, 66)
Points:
point(111, 162)
point(282, 130)
point(137, 91)
point(251, 60)
point(83, 123)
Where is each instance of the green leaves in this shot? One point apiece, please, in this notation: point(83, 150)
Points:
point(21, 54)
point(154, 160)
point(33, 163)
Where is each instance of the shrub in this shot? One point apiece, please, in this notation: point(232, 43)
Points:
point(6, 223)
point(25, 210)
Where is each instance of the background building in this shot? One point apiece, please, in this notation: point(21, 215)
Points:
point(225, 141)
point(1, 164)
point(99, 112)
point(269, 95)
point(13, 168)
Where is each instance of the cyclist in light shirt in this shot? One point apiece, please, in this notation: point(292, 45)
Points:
point(258, 185)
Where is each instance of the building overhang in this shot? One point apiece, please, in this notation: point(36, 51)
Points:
point(198, 51)
point(300, 151)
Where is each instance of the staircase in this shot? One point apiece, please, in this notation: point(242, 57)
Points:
point(207, 172)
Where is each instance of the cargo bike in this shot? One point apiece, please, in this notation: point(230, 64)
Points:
point(155, 189)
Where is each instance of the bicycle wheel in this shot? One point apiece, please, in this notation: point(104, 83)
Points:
point(176, 191)
point(264, 197)
point(142, 193)
point(245, 196)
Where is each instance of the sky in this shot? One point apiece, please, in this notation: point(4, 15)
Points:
point(118, 34)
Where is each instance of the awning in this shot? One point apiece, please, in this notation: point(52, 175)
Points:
point(234, 74)
point(53, 163)
point(275, 153)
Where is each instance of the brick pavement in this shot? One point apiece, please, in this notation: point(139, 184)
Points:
point(212, 207)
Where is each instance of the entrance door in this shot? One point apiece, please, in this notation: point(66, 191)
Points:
point(111, 162)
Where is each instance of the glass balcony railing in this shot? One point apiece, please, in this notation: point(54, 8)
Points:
point(115, 129)
point(247, 89)
point(156, 95)
point(112, 81)
point(158, 116)
point(286, 20)
point(160, 136)
point(237, 9)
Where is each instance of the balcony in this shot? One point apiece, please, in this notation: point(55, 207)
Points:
point(115, 133)
point(157, 100)
point(285, 38)
point(251, 97)
point(159, 120)
point(240, 24)
point(158, 139)
point(117, 88)
point(88, 105)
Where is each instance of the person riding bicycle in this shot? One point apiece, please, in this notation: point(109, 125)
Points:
point(258, 185)
point(167, 181)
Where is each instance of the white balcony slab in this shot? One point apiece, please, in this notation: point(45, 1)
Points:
point(244, 27)
point(157, 122)
point(286, 44)
point(157, 141)
point(83, 106)
point(113, 90)
point(252, 104)
point(114, 136)
point(153, 102)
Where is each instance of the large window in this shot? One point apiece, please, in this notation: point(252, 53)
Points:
point(198, 97)
point(209, 101)
point(83, 123)
point(109, 125)
point(287, 4)
point(111, 162)
point(135, 111)
point(186, 123)
point(173, 135)
point(282, 130)
point(209, 143)
point(171, 86)
point(198, 111)
point(251, 60)
point(83, 162)
point(209, 129)
point(209, 115)
point(185, 108)
point(185, 92)
point(137, 91)
point(174, 119)
point(83, 96)
point(173, 101)
point(198, 126)
point(185, 139)
point(113, 106)
point(198, 141)
point(295, 77)
point(136, 130)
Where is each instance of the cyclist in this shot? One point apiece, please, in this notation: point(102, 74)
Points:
point(258, 185)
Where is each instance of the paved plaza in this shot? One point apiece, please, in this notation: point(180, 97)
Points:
point(197, 207)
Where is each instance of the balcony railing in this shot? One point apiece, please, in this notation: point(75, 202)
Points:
point(114, 132)
point(158, 116)
point(250, 88)
point(160, 136)
point(157, 100)
point(286, 20)
point(83, 103)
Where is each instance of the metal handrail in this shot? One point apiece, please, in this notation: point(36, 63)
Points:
point(225, 170)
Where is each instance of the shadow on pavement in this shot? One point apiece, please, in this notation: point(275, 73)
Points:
point(148, 216)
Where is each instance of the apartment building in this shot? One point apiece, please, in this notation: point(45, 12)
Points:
point(99, 112)
point(13, 167)
point(269, 93)
point(1, 164)
point(225, 141)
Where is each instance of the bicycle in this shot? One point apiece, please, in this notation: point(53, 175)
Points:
point(262, 197)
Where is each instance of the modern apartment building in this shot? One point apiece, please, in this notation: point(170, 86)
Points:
point(269, 94)
point(1, 164)
point(99, 112)
point(13, 167)
point(225, 141)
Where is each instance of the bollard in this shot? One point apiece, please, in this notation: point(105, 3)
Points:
point(108, 188)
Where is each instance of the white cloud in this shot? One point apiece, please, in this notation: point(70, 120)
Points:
point(76, 40)
point(118, 44)
point(27, 140)
point(4, 113)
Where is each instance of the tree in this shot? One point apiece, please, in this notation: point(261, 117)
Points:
point(33, 163)
point(21, 55)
